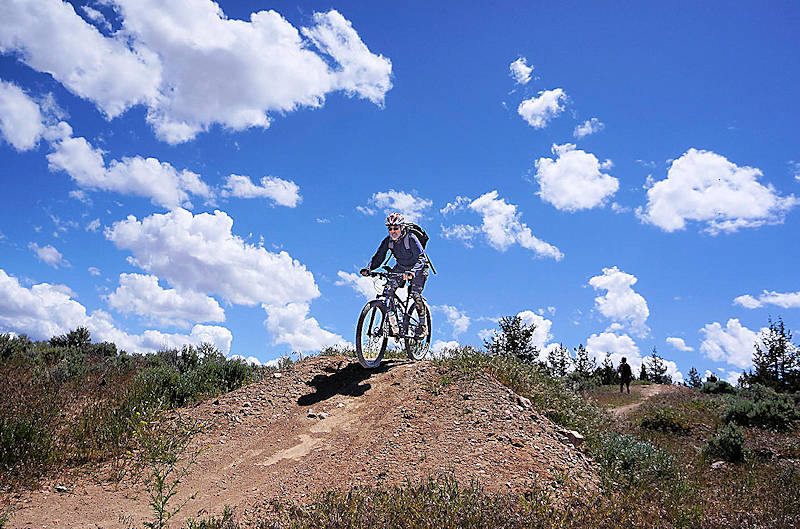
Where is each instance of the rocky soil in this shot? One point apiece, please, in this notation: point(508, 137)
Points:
point(326, 422)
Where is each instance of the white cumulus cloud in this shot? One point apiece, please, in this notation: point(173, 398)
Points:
point(51, 37)
point(621, 303)
point(363, 285)
point(502, 226)
point(48, 255)
point(520, 70)
point(200, 253)
point(148, 177)
point(538, 111)
point(463, 232)
point(159, 181)
point(619, 345)
point(786, 300)
point(705, 187)
point(292, 325)
point(734, 343)
point(590, 126)
point(442, 348)
point(410, 205)
point(190, 65)
point(21, 120)
point(97, 18)
point(458, 319)
point(142, 295)
point(282, 192)
point(541, 333)
point(573, 181)
point(45, 310)
point(458, 204)
point(679, 344)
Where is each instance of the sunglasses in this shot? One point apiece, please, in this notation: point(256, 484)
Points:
point(393, 227)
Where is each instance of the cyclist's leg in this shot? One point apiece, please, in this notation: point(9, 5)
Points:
point(417, 285)
point(388, 293)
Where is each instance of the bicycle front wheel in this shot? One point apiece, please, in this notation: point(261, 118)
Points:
point(371, 334)
point(417, 348)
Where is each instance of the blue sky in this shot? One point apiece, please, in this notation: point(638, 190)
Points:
point(624, 176)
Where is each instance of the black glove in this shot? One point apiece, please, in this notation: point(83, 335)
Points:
point(364, 272)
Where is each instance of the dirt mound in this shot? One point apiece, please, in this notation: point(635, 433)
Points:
point(326, 422)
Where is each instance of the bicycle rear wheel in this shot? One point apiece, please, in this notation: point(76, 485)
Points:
point(371, 337)
point(417, 348)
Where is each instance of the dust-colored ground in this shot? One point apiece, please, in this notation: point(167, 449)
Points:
point(329, 423)
point(645, 393)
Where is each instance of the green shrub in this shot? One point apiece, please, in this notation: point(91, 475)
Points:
point(23, 443)
point(103, 350)
point(718, 387)
point(727, 444)
point(778, 412)
point(72, 367)
point(224, 521)
point(664, 419)
point(439, 503)
point(559, 402)
point(582, 381)
point(626, 459)
point(14, 347)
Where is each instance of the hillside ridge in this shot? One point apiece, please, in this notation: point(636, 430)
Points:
point(328, 423)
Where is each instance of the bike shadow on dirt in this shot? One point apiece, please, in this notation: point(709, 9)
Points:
point(350, 381)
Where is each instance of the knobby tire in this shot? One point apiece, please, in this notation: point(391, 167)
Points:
point(371, 341)
point(416, 349)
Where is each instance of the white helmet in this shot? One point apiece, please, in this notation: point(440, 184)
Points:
point(393, 219)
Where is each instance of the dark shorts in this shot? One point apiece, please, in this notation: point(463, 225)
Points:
point(417, 284)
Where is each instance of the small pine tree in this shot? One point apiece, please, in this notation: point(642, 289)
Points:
point(777, 364)
point(584, 364)
point(514, 338)
point(694, 379)
point(558, 361)
point(643, 375)
point(657, 370)
point(606, 372)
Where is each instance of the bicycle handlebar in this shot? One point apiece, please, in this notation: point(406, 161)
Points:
point(386, 275)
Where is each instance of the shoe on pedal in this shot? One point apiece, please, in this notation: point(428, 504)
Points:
point(420, 333)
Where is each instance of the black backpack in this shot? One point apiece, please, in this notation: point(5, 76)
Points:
point(417, 230)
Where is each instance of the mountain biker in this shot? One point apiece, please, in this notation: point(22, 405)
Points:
point(411, 262)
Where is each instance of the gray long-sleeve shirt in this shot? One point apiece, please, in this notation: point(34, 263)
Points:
point(412, 259)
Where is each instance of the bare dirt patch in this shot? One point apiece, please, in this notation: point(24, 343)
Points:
point(328, 423)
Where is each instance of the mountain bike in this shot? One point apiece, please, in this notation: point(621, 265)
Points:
point(374, 328)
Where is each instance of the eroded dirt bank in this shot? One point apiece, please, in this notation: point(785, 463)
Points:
point(326, 423)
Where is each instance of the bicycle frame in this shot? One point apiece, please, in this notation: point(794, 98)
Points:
point(401, 308)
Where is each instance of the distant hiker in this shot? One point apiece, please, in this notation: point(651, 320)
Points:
point(409, 252)
point(625, 375)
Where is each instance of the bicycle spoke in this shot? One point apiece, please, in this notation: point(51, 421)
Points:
point(371, 337)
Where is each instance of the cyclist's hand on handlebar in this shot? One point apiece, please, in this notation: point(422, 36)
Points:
point(408, 276)
point(364, 272)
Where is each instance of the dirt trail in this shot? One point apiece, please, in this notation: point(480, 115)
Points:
point(329, 423)
point(646, 393)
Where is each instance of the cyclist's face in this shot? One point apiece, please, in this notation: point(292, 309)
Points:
point(394, 231)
